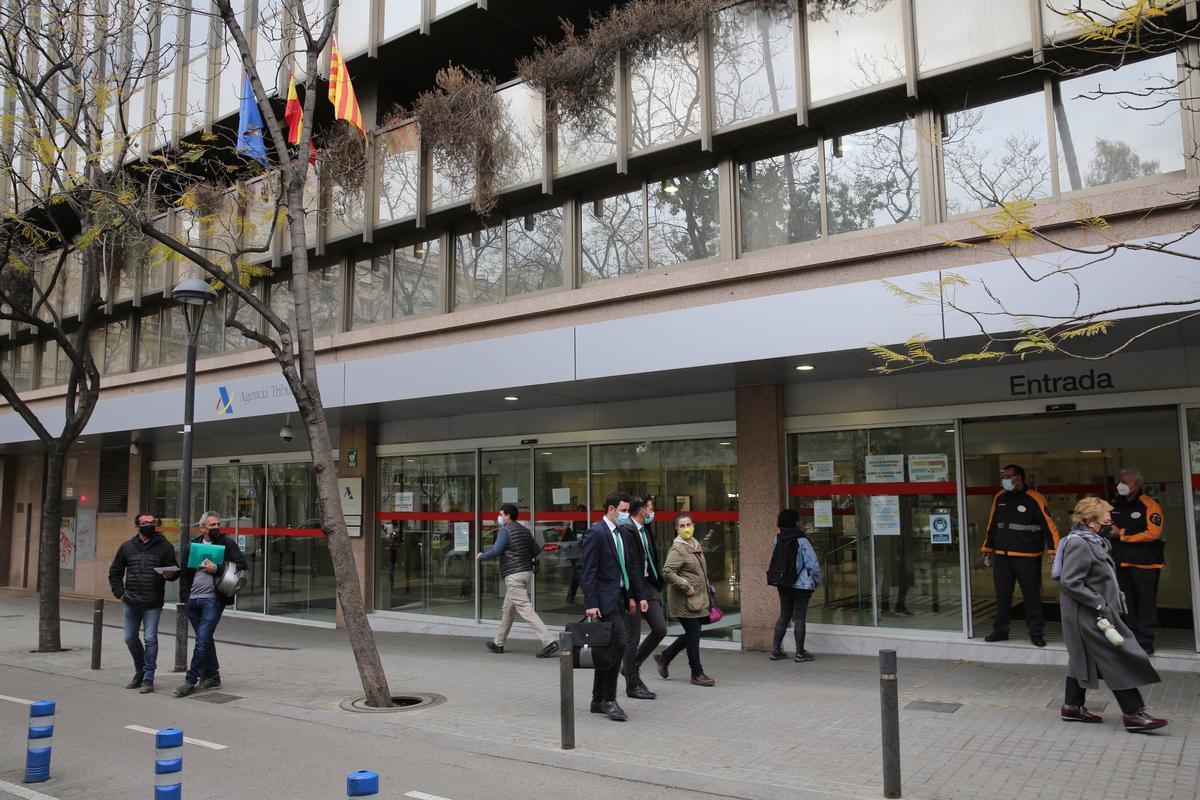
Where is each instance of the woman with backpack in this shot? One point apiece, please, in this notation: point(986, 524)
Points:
point(796, 573)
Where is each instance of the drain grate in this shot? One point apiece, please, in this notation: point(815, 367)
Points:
point(929, 705)
point(1095, 708)
point(216, 697)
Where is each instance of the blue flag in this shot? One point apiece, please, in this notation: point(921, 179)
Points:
point(250, 127)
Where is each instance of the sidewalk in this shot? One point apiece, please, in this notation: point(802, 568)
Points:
point(768, 729)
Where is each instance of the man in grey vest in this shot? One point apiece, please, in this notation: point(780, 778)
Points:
point(516, 548)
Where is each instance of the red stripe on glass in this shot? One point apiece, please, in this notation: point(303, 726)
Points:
point(428, 516)
point(829, 489)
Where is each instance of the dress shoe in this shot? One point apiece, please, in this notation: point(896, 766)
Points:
point(777, 655)
point(614, 711)
point(662, 665)
point(597, 708)
point(996, 636)
point(147, 687)
point(639, 692)
point(804, 656)
point(1037, 639)
point(1142, 722)
point(548, 650)
point(1079, 714)
point(495, 648)
point(703, 680)
point(136, 683)
point(184, 689)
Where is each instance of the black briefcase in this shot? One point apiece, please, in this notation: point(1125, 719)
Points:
point(592, 645)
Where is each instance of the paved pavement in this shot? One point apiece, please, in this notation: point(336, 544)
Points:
point(767, 730)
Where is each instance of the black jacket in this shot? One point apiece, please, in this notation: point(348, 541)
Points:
point(232, 553)
point(132, 576)
point(600, 575)
point(633, 542)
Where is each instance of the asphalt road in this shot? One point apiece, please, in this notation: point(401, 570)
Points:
point(242, 754)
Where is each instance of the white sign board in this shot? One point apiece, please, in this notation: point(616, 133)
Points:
point(350, 492)
point(929, 468)
point(823, 513)
point(403, 501)
point(509, 494)
point(820, 470)
point(939, 529)
point(885, 515)
point(85, 534)
point(462, 537)
point(885, 468)
point(561, 495)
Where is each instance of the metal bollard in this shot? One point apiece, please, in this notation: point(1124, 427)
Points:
point(168, 764)
point(566, 690)
point(181, 638)
point(41, 738)
point(889, 707)
point(97, 631)
point(363, 783)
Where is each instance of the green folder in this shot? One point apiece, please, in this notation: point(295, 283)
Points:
point(198, 551)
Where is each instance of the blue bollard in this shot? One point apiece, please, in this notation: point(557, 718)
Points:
point(41, 738)
point(168, 764)
point(363, 783)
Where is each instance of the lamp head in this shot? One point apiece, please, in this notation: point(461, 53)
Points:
point(194, 292)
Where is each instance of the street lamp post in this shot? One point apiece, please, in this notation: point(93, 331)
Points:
point(193, 296)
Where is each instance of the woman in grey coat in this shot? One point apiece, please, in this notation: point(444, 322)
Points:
point(1099, 644)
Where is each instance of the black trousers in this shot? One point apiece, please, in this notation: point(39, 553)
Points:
point(1009, 571)
point(1141, 598)
point(690, 638)
point(636, 654)
point(604, 682)
point(1130, 700)
point(793, 603)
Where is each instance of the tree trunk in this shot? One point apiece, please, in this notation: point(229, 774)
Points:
point(49, 633)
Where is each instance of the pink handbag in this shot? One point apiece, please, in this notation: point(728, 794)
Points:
point(714, 614)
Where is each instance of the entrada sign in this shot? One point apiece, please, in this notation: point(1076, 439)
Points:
point(1090, 381)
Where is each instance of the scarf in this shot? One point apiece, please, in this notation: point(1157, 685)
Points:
point(692, 544)
point(1082, 532)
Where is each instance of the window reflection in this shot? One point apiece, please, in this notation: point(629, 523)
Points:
point(234, 340)
point(996, 152)
point(325, 298)
point(400, 16)
point(853, 46)
point(780, 200)
point(399, 176)
point(521, 120)
point(666, 96)
point(581, 145)
point(452, 183)
point(372, 287)
point(116, 347)
point(147, 340)
point(754, 61)
point(612, 234)
point(871, 178)
point(479, 266)
point(683, 219)
point(417, 279)
point(1117, 126)
point(535, 252)
point(994, 27)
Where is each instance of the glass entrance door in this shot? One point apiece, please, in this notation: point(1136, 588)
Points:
point(504, 477)
point(560, 519)
point(251, 524)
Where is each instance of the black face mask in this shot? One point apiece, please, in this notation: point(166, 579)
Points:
point(1106, 530)
point(212, 533)
point(146, 530)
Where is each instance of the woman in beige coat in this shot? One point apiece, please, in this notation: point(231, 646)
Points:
point(686, 578)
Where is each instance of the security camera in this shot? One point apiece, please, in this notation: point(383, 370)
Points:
point(286, 433)
point(134, 449)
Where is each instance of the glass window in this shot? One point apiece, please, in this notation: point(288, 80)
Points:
point(325, 297)
point(229, 79)
point(416, 288)
point(754, 61)
point(996, 152)
point(116, 348)
point(72, 280)
point(95, 347)
point(683, 220)
point(560, 518)
point(164, 109)
point(197, 95)
point(521, 120)
point(173, 349)
point(995, 26)
point(352, 28)
point(854, 47)
point(168, 35)
point(452, 183)
point(780, 200)
point(198, 28)
point(188, 231)
point(581, 145)
point(871, 178)
point(666, 96)
point(147, 340)
point(870, 501)
point(22, 373)
point(425, 559)
point(283, 305)
point(1063, 19)
point(258, 222)
point(399, 177)
point(613, 232)
point(234, 340)
point(211, 335)
point(535, 252)
point(400, 16)
point(372, 289)
point(446, 6)
point(479, 266)
point(51, 355)
point(1117, 126)
point(269, 52)
point(346, 210)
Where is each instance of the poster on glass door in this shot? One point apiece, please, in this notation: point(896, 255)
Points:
point(929, 468)
point(885, 515)
point(885, 468)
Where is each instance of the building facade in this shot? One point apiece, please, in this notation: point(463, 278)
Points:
point(679, 304)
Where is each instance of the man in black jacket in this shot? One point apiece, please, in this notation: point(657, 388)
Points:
point(138, 577)
point(204, 606)
point(517, 549)
point(639, 539)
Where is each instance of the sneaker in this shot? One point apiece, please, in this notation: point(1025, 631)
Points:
point(548, 650)
point(1142, 722)
point(703, 680)
point(495, 648)
point(184, 689)
point(1037, 639)
point(147, 687)
point(136, 683)
point(777, 655)
point(996, 636)
point(662, 665)
point(208, 683)
point(1078, 714)
point(804, 656)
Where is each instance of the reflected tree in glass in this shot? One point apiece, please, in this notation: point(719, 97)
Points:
point(582, 143)
point(479, 266)
point(666, 96)
point(613, 232)
point(399, 176)
point(535, 252)
point(754, 64)
point(780, 200)
point(521, 115)
point(325, 295)
point(372, 287)
point(416, 288)
point(683, 217)
point(854, 46)
point(871, 178)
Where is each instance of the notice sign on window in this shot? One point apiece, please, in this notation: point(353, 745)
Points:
point(820, 470)
point(885, 468)
point(939, 529)
point(1195, 448)
point(885, 515)
point(560, 495)
point(462, 537)
point(823, 513)
point(929, 468)
point(404, 501)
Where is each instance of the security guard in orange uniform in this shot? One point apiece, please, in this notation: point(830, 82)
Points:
point(1138, 552)
point(1019, 532)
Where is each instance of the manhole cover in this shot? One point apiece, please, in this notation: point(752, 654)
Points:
point(216, 697)
point(400, 702)
point(1095, 708)
point(928, 705)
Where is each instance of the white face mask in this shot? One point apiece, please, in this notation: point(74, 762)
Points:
point(500, 520)
point(1008, 484)
point(1124, 489)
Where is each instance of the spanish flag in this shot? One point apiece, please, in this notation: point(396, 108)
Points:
point(293, 112)
point(341, 91)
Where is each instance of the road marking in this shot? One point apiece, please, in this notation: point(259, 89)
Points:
point(415, 795)
point(17, 700)
point(187, 739)
point(21, 791)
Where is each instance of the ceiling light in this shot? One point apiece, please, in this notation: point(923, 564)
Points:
point(547, 454)
point(805, 368)
point(671, 186)
point(725, 444)
point(1090, 452)
point(948, 430)
point(512, 398)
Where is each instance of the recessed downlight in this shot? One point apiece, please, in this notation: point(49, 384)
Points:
point(805, 368)
point(512, 398)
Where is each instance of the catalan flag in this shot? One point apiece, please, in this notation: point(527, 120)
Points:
point(293, 113)
point(341, 91)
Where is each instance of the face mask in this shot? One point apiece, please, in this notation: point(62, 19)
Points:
point(686, 532)
point(146, 530)
point(622, 517)
point(1124, 489)
point(212, 533)
point(1008, 484)
point(1106, 529)
point(650, 518)
point(500, 520)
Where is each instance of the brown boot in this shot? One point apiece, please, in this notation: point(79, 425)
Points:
point(703, 680)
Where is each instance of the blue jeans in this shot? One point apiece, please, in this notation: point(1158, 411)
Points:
point(204, 614)
point(145, 659)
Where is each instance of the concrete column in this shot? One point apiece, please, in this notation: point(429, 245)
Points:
point(360, 438)
point(761, 494)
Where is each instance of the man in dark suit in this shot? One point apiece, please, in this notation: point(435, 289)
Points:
point(639, 539)
point(612, 588)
